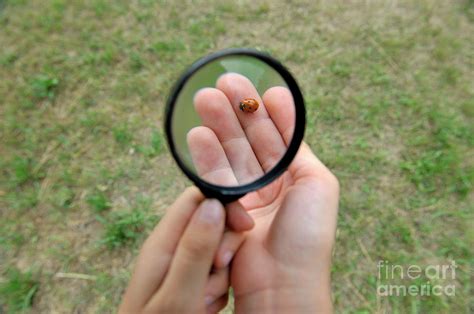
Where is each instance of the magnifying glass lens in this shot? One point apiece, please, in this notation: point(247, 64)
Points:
point(232, 120)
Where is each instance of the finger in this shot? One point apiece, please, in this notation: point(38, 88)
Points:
point(237, 217)
point(189, 271)
point(259, 128)
point(216, 113)
point(217, 285)
point(212, 166)
point(209, 157)
point(157, 251)
point(218, 305)
point(281, 108)
point(230, 243)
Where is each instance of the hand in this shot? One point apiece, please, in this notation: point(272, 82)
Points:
point(284, 263)
point(172, 273)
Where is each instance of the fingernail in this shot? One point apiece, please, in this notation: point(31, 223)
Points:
point(227, 257)
point(211, 211)
point(208, 299)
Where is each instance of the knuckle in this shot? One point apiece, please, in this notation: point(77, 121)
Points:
point(196, 246)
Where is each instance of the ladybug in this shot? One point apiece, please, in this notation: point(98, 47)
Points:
point(248, 105)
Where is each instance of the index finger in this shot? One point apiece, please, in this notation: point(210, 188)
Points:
point(190, 267)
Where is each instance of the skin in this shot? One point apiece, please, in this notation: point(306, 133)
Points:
point(282, 264)
point(177, 257)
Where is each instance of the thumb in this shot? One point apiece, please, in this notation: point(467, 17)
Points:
point(305, 225)
point(190, 267)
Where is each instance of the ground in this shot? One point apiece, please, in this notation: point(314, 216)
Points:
point(85, 171)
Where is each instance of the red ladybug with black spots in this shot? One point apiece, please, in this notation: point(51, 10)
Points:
point(248, 105)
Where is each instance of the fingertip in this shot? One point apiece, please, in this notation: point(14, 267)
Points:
point(229, 79)
point(276, 92)
point(234, 85)
point(194, 192)
point(211, 212)
point(194, 195)
point(247, 223)
point(210, 103)
point(190, 198)
point(202, 94)
point(226, 257)
point(220, 261)
point(238, 218)
point(200, 135)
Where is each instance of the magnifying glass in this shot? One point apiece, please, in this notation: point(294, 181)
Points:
point(234, 121)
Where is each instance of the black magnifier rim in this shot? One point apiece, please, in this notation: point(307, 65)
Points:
point(223, 193)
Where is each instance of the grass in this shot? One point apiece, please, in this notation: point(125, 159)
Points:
point(123, 228)
point(85, 171)
point(44, 86)
point(18, 291)
point(98, 201)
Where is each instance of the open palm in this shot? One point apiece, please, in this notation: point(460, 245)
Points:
point(288, 251)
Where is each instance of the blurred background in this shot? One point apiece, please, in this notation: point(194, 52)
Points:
point(85, 172)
